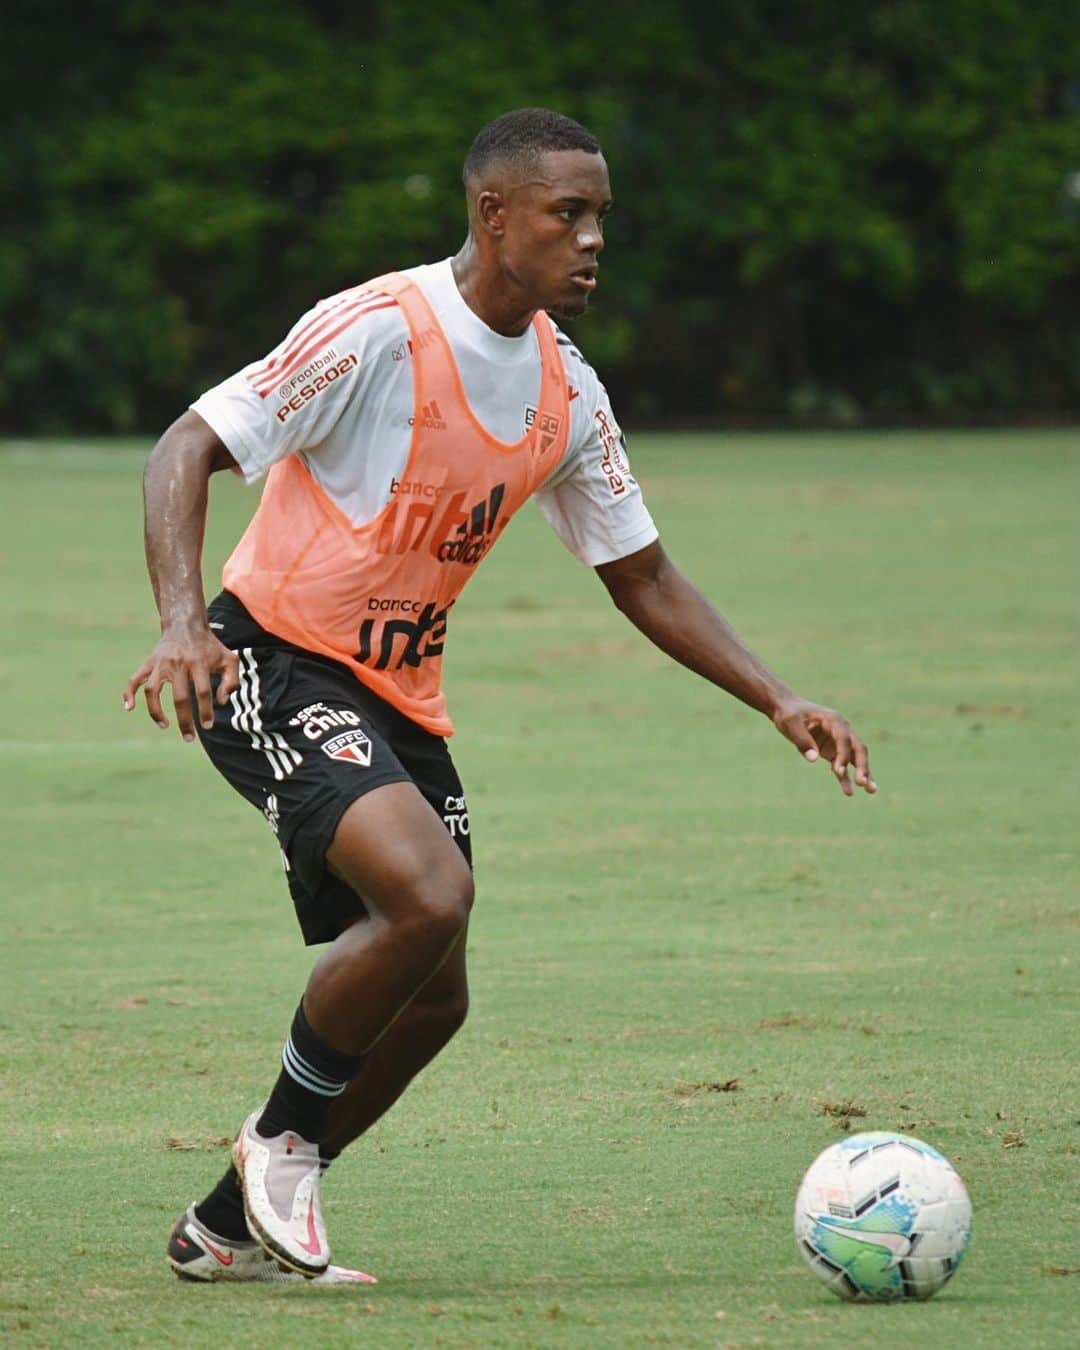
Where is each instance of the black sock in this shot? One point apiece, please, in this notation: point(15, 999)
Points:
point(223, 1209)
point(312, 1075)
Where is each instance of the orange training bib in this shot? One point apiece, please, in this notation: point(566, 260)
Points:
point(377, 596)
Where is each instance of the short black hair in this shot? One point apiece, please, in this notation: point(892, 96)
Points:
point(522, 136)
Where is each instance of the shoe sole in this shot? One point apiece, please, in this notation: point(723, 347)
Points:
point(265, 1241)
point(182, 1272)
point(189, 1278)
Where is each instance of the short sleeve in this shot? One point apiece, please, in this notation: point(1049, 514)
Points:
point(592, 501)
point(292, 399)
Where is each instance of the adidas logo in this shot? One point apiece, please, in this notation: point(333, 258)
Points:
point(430, 417)
point(477, 532)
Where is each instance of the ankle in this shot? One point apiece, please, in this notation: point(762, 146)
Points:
point(313, 1074)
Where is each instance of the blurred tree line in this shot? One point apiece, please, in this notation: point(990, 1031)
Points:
point(831, 212)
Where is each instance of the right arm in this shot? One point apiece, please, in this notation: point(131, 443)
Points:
point(175, 494)
point(251, 420)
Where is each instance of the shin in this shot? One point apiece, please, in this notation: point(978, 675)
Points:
point(412, 1042)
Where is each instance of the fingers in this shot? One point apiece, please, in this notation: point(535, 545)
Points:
point(153, 679)
point(153, 700)
point(187, 662)
point(230, 676)
point(136, 682)
point(823, 734)
point(798, 732)
point(842, 757)
point(182, 682)
point(181, 697)
point(204, 698)
point(851, 753)
point(863, 777)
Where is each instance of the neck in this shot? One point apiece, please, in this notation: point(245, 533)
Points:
point(490, 294)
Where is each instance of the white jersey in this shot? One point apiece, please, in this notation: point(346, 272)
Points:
point(339, 392)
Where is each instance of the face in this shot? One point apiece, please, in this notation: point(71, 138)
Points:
point(551, 231)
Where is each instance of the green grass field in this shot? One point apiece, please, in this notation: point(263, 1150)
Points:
point(670, 900)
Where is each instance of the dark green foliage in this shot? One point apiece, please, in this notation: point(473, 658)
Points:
point(828, 211)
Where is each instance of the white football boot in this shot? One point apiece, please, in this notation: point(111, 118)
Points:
point(280, 1181)
point(195, 1253)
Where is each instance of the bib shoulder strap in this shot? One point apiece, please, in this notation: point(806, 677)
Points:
point(553, 372)
point(413, 303)
point(390, 283)
point(544, 325)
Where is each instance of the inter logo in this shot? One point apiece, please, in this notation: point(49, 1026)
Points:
point(389, 644)
point(450, 530)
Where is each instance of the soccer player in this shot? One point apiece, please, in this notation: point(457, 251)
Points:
point(399, 425)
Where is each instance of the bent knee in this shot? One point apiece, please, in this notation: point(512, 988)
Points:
point(439, 906)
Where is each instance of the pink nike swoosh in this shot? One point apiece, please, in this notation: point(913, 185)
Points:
point(312, 1245)
point(226, 1258)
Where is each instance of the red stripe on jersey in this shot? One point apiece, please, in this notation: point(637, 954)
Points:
point(275, 362)
point(325, 307)
point(337, 323)
point(317, 339)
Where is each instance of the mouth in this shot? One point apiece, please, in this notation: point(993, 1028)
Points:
point(585, 277)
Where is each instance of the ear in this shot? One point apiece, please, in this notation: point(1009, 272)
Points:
point(491, 212)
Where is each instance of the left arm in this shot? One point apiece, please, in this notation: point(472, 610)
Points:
point(657, 599)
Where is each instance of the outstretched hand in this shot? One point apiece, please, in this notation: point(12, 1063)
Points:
point(186, 660)
point(821, 733)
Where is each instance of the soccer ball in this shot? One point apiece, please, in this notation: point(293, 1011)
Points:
point(881, 1217)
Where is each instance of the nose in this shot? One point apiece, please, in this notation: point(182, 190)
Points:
point(590, 237)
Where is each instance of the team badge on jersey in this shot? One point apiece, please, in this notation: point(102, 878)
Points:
point(547, 432)
point(353, 747)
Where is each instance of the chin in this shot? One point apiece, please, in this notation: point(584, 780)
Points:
point(568, 309)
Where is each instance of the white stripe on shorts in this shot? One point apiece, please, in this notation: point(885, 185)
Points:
point(247, 718)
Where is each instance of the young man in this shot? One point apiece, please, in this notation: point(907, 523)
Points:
point(402, 423)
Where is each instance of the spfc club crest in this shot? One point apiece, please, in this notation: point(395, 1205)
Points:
point(351, 746)
point(545, 428)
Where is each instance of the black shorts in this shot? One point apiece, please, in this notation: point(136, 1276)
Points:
point(301, 739)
